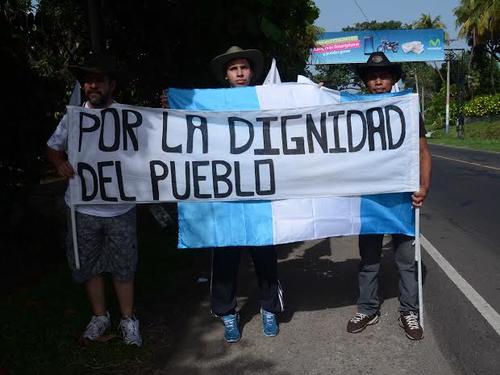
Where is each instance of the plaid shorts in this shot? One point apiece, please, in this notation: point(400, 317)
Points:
point(105, 244)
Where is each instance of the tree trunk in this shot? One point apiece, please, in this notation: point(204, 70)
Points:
point(460, 127)
point(492, 73)
point(95, 24)
point(439, 72)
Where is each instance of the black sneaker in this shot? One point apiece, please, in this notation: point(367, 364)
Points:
point(360, 321)
point(410, 323)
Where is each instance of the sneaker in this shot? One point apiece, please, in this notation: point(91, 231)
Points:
point(231, 329)
point(97, 326)
point(129, 326)
point(409, 322)
point(270, 325)
point(360, 321)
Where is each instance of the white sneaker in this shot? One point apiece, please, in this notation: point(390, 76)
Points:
point(97, 326)
point(130, 331)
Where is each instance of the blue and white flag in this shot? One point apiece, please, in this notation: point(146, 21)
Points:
point(258, 223)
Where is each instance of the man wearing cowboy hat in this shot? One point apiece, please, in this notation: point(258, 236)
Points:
point(239, 68)
point(379, 76)
point(379, 66)
point(106, 234)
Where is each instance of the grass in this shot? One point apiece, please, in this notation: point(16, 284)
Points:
point(478, 136)
point(41, 324)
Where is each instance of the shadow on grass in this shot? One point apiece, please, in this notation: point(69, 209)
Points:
point(41, 322)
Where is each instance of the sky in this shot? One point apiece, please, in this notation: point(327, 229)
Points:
point(336, 14)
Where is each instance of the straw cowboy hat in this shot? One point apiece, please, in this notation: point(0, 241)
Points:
point(103, 64)
point(254, 56)
point(379, 61)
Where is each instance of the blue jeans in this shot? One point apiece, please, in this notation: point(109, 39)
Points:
point(370, 248)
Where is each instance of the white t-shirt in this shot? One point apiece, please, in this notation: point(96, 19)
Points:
point(59, 142)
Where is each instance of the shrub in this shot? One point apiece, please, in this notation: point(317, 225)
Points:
point(485, 105)
point(437, 134)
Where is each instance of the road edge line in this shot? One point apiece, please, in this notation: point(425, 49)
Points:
point(484, 308)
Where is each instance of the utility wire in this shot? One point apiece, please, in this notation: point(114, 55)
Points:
point(361, 10)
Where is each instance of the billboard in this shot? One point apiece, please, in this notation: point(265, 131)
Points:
point(350, 47)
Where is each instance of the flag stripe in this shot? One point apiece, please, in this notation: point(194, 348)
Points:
point(241, 98)
point(203, 224)
point(306, 219)
point(387, 213)
point(258, 223)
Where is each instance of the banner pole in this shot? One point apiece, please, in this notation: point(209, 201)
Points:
point(75, 240)
point(211, 269)
point(76, 100)
point(418, 258)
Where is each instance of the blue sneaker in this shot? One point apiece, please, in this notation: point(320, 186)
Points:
point(231, 329)
point(270, 325)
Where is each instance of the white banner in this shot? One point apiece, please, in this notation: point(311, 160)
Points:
point(135, 154)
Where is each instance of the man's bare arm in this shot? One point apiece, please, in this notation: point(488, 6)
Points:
point(425, 174)
point(57, 158)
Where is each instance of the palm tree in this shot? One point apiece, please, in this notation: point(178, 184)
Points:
point(427, 22)
point(479, 22)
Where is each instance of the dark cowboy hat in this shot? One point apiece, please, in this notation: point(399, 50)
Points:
point(379, 61)
point(254, 56)
point(103, 64)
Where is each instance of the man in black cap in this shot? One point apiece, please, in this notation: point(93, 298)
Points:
point(239, 68)
point(106, 234)
point(380, 75)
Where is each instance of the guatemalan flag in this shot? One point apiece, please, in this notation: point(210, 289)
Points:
point(259, 223)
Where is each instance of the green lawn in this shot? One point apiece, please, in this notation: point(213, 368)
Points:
point(478, 136)
point(40, 324)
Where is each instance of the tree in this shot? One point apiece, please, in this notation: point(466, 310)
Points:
point(28, 108)
point(479, 22)
point(375, 25)
point(170, 44)
point(338, 77)
point(158, 44)
point(423, 76)
point(427, 22)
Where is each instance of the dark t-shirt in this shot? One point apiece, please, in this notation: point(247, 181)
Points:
point(422, 130)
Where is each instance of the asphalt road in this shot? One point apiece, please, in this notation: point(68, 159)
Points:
point(461, 219)
point(462, 216)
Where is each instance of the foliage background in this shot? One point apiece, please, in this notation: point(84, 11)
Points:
point(158, 44)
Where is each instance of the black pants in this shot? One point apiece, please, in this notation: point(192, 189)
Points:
point(225, 279)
